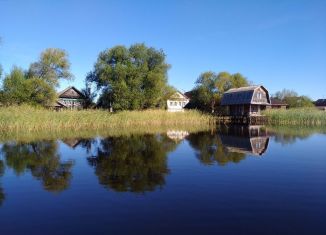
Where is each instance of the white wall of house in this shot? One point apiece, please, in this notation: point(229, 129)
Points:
point(177, 102)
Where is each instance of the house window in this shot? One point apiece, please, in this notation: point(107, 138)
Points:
point(183, 104)
point(171, 103)
point(179, 103)
point(175, 103)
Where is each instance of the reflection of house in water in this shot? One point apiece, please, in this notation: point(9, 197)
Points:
point(177, 135)
point(72, 143)
point(245, 139)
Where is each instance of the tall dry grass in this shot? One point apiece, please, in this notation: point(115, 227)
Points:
point(296, 116)
point(32, 119)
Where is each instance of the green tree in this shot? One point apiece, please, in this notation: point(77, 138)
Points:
point(210, 87)
point(293, 99)
point(52, 66)
point(19, 89)
point(299, 102)
point(130, 78)
point(15, 88)
point(285, 93)
point(41, 93)
point(89, 95)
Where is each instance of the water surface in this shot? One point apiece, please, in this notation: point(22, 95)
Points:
point(235, 180)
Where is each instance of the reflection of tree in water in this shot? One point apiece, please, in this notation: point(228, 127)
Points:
point(136, 163)
point(2, 194)
point(42, 160)
point(210, 149)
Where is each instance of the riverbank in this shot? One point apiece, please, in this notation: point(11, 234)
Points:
point(31, 119)
point(296, 117)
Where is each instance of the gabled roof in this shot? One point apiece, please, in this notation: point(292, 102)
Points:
point(178, 96)
point(320, 102)
point(65, 93)
point(242, 95)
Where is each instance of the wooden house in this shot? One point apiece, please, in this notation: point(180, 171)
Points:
point(321, 104)
point(70, 98)
point(277, 104)
point(245, 101)
point(177, 102)
point(245, 139)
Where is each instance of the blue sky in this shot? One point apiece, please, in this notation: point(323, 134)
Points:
point(280, 44)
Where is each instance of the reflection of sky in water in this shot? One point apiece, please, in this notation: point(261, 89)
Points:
point(131, 184)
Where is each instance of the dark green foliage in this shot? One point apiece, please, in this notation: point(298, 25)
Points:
point(210, 87)
point(299, 102)
point(131, 78)
point(19, 89)
point(15, 88)
point(37, 86)
point(89, 96)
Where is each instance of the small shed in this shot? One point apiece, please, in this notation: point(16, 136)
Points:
point(177, 102)
point(245, 101)
point(71, 98)
point(277, 104)
point(321, 104)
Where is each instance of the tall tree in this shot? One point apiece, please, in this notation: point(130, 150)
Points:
point(130, 78)
point(210, 87)
point(293, 99)
point(15, 88)
point(52, 66)
point(19, 89)
point(89, 95)
point(285, 93)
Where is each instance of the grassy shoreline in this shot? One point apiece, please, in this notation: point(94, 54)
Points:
point(296, 117)
point(30, 119)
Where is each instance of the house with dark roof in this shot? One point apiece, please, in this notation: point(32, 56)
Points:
point(70, 98)
point(321, 104)
point(277, 104)
point(246, 101)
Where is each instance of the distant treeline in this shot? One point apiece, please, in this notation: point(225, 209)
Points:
point(124, 78)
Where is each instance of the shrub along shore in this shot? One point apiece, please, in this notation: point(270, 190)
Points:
point(32, 119)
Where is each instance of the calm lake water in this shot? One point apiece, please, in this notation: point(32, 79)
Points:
point(237, 180)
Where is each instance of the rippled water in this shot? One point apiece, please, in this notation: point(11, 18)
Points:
point(238, 180)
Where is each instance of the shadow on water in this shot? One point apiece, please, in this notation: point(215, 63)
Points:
point(42, 160)
point(138, 162)
point(229, 144)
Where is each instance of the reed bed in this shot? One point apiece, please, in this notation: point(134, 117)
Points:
point(27, 119)
point(298, 116)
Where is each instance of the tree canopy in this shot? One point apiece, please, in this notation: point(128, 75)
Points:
point(52, 66)
point(293, 99)
point(37, 85)
point(210, 87)
point(131, 78)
